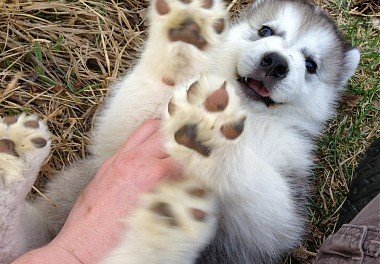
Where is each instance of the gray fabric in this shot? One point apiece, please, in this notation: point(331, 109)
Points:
point(357, 242)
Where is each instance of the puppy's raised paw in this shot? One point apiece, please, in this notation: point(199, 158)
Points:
point(206, 118)
point(196, 22)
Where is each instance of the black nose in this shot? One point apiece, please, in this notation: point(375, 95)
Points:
point(275, 65)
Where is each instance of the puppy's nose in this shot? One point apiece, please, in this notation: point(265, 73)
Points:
point(275, 65)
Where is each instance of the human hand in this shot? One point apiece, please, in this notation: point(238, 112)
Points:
point(94, 224)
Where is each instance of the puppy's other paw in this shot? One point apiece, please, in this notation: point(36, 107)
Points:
point(24, 146)
point(183, 207)
point(174, 223)
point(199, 23)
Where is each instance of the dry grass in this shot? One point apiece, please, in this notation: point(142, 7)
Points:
point(57, 59)
point(67, 55)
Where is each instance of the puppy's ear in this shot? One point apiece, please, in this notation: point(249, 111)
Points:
point(351, 62)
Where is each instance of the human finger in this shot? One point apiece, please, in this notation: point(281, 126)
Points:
point(141, 134)
point(154, 146)
point(163, 169)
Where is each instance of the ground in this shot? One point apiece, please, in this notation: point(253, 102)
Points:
point(57, 59)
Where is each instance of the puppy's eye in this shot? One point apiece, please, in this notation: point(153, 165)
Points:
point(311, 66)
point(265, 32)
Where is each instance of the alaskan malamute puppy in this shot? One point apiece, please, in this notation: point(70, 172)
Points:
point(241, 104)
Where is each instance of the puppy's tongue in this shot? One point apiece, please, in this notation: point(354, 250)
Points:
point(258, 87)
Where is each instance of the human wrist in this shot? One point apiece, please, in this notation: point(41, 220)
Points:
point(47, 255)
point(86, 243)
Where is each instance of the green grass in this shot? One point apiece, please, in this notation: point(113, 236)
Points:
point(350, 133)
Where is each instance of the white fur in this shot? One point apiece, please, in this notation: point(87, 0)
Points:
point(255, 177)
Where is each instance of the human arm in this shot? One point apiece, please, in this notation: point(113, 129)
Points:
point(94, 223)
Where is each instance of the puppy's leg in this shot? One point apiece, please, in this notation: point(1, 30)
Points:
point(24, 146)
point(185, 39)
point(173, 225)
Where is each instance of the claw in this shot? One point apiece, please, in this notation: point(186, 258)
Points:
point(191, 92)
point(171, 107)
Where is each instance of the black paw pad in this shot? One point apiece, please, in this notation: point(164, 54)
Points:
point(219, 26)
point(163, 209)
point(32, 124)
point(168, 81)
point(233, 130)
point(218, 100)
point(187, 136)
point(188, 32)
point(10, 120)
point(207, 4)
point(39, 142)
point(197, 192)
point(162, 7)
point(198, 215)
point(8, 146)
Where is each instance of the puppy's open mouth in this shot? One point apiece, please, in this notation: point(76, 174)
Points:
point(255, 90)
